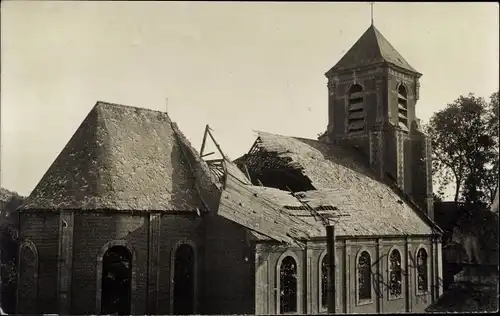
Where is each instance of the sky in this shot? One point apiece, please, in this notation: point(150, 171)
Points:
point(239, 67)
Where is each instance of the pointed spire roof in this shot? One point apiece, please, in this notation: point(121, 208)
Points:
point(371, 48)
point(120, 158)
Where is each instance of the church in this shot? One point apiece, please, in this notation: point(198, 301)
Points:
point(131, 219)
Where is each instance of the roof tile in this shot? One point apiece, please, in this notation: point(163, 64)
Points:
point(371, 48)
point(120, 158)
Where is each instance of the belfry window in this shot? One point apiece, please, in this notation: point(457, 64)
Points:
point(395, 288)
point(422, 281)
point(288, 286)
point(356, 110)
point(364, 289)
point(402, 107)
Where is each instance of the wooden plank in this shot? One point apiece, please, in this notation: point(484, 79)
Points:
point(203, 142)
point(215, 142)
point(210, 153)
point(214, 160)
point(268, 221)
point(356, 107)
point(356, 115)
point(247, 172)
point(356, 95)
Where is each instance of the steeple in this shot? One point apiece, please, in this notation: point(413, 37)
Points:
point(372, 97)
point(370, 49)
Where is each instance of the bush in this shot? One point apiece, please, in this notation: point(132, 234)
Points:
point(9, 221)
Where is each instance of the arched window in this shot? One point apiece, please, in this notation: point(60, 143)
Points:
point(364, 289)
point(402, 107)
point(395, 286)
point(356, 111)
point(422, 281)
point(116, 281)
point(184, 280)
point(288, 299)
point(28, 279)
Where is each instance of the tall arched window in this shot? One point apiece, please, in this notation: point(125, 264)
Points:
point(395, 286)
point(402, 107)
point(364, 289)
point(28, 279)
point(356, 111)
point(288, 286)
point(422, 281)
point(116, 281)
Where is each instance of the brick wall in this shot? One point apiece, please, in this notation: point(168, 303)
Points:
point(371, 80)
point(153, 241)
point(176, 230)
point(234, 276)
point(229, 268)
point(91, 233)
point(42, 229)
point(396, 78)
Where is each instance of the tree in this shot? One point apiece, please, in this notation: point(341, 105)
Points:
point(9, 202)
point(464, 139)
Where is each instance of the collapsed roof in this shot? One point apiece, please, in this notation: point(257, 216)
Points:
point(343, 190)
point(131, 159)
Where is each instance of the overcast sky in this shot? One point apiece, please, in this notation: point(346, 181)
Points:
point(236, 66)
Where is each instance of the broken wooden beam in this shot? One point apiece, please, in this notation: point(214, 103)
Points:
point(203, 142)
point(210, 153)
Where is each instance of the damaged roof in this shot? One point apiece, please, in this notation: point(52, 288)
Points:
point(121, 158)
point(262, 209)
point(344, 187)
point(371, 48)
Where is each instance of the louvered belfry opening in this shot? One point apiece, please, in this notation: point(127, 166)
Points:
point(356, 115)
point(402, 107)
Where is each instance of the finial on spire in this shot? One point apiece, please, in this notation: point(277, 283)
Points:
point(371, 7)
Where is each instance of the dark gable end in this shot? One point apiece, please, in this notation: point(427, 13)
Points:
point(371, 48)
point(120, 158)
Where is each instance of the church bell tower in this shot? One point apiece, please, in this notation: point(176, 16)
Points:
point(372, 95)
